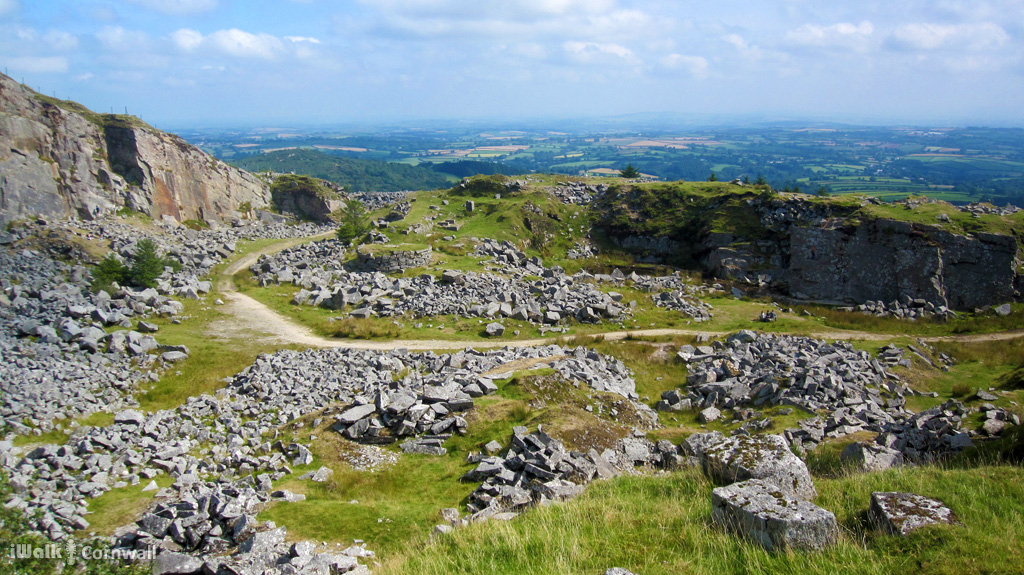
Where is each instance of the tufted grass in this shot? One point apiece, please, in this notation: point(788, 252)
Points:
point(661, 524)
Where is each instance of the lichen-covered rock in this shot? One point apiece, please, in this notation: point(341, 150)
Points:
point(758, 510)
point(901, 513)
point(764, 457)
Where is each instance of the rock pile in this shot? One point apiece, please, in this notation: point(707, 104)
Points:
point(505, 255)
point(584, 249)
point(211, 528)
point(393, 260)
point(376, 200)
point(906, 308)
point(928, 435)
point(66, 365)
point(233, 433)
point(537, 469)
point(779, 215)
point(549, 300)
point(578, 193)
point(683, 301)
point(989, 209)
point(763, 369)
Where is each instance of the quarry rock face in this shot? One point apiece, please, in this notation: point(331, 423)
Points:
point(65, 161)
point(890, 260)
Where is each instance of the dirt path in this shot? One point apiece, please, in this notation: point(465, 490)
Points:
point(252, 318)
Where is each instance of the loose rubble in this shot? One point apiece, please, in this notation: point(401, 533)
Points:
point(537, 469)
point(549, 300)
point(232, 433)
point(579, 193)
point(906, 308)
point(750, 369)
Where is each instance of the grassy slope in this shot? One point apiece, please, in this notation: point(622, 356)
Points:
point(661, 525)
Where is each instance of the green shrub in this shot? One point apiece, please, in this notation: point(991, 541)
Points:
point(961, 390)
point(147, 265)
point(109, 271)
point(354, 222)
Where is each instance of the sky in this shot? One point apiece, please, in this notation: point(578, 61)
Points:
point(261, 62)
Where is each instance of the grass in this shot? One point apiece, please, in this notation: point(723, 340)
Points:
point(662, 524)
point(121, 506)
point(387, 508)
point(210, 360)
point(399, 505)
point(967, 323)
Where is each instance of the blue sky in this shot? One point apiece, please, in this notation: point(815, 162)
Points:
point(259, 62)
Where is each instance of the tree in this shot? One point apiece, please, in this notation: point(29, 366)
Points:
point(713, 177)
point(109, 271)
point(823, 192)
point(629, 172)
point(354, 221)
point(147, 264)
point(760, 181)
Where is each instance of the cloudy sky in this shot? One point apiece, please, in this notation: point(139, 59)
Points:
point(203, 62)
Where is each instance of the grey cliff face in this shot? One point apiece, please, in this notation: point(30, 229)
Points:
point(62, 161)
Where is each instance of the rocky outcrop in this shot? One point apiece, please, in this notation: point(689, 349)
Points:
point(308, 199)
point(58, 159)
point(890, 260)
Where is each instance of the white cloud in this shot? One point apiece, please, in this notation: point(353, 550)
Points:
point(980, 36)
point(186, 39)
point(39, 64)
point(696, 65)
point(242, 44)
point(8, 7)
point(745, 49)
point(528, 20)
point(61, 41)
point(586, 50)
point(515, 10)
point(177, 7)
point(841, 34)
point(117, 39)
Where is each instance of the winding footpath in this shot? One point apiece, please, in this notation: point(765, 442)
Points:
point(248, 314)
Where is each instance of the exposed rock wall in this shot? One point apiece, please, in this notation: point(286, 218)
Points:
point(888, 260)
point(306, 204)
point(64, 161)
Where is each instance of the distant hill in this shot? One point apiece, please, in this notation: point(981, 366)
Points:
point(354, 174)
point(467, 168)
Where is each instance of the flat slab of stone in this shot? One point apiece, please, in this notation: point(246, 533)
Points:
point(170, 563)
point(765, 457)
point(900, 513)
point(757, 510)
point(871, 456)
point(354, 414)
